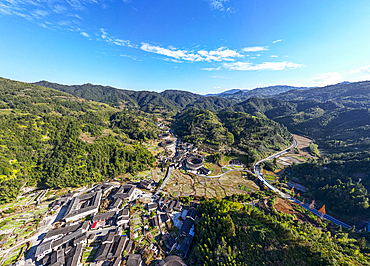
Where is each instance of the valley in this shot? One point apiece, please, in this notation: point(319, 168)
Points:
point(164, 172)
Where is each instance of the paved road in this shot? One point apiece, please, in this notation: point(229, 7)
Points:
point(168, 174)
point(257, 171)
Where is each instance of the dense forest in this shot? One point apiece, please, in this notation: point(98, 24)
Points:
point(202, 126)
point(336, 128)
point(352, 95)
point(49, 138)
point(340, 181)
point(253, 136)
point(229, 233)
point(336, 116)
point(265, 92)
point(256, 136)
point(146, 101)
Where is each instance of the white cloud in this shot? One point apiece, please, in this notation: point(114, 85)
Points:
point(327, 79)
point(274, 56)
point(220, 77)
point(255, 49)
point(85, 34)
point(113, 40)
point(211, 68)
point(26, 8)
point(220, 54)
point(38, 13)
point(129, 56)
point(362, 70)
point(58, 8)
point(217, 4)
point(62, 13)
point(277, 41)
point(262, 66)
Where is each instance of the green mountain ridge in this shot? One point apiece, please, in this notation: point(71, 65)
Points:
point(256, 137)
point(264, 92)
point(52, 139)
point(145, 100)
point(353, 95)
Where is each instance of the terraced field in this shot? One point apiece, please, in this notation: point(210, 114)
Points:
point(182, 184)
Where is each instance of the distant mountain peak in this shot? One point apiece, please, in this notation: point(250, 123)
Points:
point(260, 92)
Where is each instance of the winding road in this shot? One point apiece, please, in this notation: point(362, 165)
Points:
point(257, 171)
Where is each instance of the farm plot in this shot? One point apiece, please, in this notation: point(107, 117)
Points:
point(191, 185)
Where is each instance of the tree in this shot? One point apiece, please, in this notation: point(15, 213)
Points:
point(216, 157)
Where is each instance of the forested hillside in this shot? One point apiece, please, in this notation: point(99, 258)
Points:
point(229, 233)
point(354, 95)
point(200, 126)
point(258, 137)
point(212, 103)
point(340, 181)
point(49, 138)
point(265, 92)
point(254, 136)
point(145, 100)
point(183, 98)
point(336, 128)
point(35, 121)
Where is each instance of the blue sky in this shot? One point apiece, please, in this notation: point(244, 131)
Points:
point(203, 46)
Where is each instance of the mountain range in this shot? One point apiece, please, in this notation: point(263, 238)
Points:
point(329, 114)
point(242, 95)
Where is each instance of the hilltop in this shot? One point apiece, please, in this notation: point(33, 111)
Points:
point(265, 92)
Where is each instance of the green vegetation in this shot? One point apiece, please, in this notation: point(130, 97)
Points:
point(254, 137)
point(56, 140)
point(330, 180)
point(137, 125)
point(146, 101)
point(229, 233)
point(264, 92)
point(212, 104)
point(313, 150)
point(353, 95)
point(202, 126)
point(270, 165)
point(334, 127)
point(257, 137)
point(337, 117)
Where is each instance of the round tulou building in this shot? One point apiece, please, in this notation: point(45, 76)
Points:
point(164, 136)
point(194, 162)
point(167, 144)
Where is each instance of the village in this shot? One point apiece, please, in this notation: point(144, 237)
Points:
point(114, 225)
point(142, 221)
point(135, 223)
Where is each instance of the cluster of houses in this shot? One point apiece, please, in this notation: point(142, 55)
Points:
point(63, 246)
point(186, 158)
point(83, 224)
